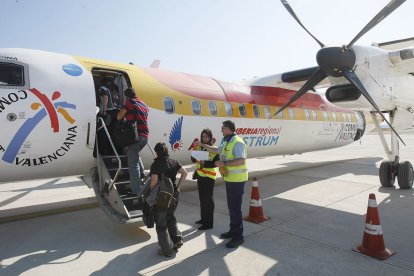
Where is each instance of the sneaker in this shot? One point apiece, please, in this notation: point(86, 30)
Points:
point(204, 227)
point(234, 243)
point(226, 235)
point(161, 253)
point(199, 222)
point(178, 244)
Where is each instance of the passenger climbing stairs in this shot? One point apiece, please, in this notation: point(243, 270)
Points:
point(112, 186)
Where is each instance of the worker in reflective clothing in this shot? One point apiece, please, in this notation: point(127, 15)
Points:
point(233, 168)
point(205, 174)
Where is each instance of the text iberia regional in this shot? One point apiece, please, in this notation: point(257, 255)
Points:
point(259, 136)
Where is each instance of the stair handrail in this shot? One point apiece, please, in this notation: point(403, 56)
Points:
point(150, 148)
point(115, 151)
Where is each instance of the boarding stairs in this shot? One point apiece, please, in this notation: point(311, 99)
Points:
point(112, 185)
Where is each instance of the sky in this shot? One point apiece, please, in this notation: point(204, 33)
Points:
point(229, 40)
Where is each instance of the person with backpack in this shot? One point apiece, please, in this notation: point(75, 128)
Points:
point(135, 111)
point(169, 237)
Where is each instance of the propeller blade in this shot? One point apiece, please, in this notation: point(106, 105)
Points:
point(387, 10)
point(290, 10)
point(353, 78)
point(316, 78)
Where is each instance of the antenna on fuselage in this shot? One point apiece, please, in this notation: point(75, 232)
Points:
point(155, 63)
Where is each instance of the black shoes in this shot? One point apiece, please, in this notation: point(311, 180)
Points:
point(161, 253)
point(204, 227)
point(199, 222)
point(177, 245)
point(234, 243)
point(226, 235)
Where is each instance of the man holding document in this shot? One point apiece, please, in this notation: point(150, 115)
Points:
point(205, 174)
point(233, 168)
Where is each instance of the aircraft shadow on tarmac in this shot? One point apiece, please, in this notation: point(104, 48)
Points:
point(61, 239)
point(51, 184)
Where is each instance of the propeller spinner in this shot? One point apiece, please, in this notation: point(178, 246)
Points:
point(340, 61)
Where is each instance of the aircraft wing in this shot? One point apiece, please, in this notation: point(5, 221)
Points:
point(396, 44)
point(293, 80)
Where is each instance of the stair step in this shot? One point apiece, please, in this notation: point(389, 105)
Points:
point(135, 214)
point(123, 174)
point(133, 203)
point(123, 188)
point(111, 162)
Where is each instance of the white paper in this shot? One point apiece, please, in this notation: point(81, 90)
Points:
point(200, 155)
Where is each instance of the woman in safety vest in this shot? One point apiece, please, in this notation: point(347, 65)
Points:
point(205, 174)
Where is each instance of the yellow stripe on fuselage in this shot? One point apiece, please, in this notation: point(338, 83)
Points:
point(153, 92)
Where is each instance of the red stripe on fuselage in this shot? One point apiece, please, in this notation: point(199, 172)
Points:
point(210, 89)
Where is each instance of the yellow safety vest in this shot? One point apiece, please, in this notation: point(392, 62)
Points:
point(206, 172)
point(235, 173)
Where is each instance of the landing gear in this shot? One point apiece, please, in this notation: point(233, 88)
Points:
point(387, 174)
point(405, 175)
point(389, 170)
point(403, 171)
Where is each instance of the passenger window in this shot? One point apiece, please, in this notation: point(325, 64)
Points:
point(291, 113)
point(344, 116)
point(229, 109)
point(11, 74)
point(325, 115)
point(267, 111)
point(195, 104)
point(212, 107)
point(314, 115)
point(169, 106)
point(280, 114)
point(307, 114)
point(256, 111)
point(349, 117)
point(334, 116)
point(242, 110)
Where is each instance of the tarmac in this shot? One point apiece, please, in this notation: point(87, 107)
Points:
point(317, 203)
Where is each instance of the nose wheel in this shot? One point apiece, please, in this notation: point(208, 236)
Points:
point(402, 171)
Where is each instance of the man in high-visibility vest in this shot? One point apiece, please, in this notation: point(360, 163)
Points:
point(232, 166)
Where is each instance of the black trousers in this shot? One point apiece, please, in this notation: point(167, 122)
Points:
point(234, 191)
point(205, 194)
point(166, 227)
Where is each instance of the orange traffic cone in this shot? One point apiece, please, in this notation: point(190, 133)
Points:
point(256, 210)
point(373, 241)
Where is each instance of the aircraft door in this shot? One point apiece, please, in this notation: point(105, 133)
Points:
point(50, 117)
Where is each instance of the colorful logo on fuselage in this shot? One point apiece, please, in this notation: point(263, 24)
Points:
point(175, 135)
point(49, 108)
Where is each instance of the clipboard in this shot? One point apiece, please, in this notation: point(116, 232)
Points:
point(200, 155)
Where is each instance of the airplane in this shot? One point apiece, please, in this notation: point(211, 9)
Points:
point(49, 112)
point(48, 107)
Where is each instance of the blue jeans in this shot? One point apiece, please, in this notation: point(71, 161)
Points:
point(134, 164)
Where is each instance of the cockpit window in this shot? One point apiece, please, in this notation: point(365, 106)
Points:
point(11, 74)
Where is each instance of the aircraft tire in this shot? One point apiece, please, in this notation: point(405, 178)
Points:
point(386, 175)
point(405, 175)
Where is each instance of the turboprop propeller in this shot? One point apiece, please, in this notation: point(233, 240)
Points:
point(340, 61)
